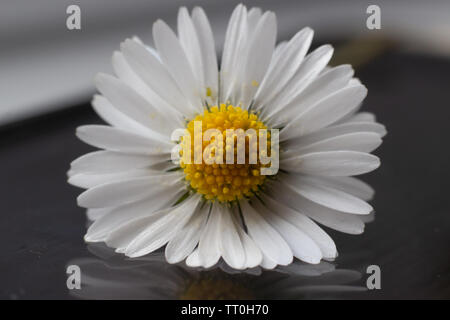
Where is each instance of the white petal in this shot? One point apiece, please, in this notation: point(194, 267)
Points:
point(230, 243)
point(326, 196)
point(114, 117)
point(121, 237)
point(235, 40)
point(130, 103)
point(117, 217)
point(302, 246)
point(268, 263)
point(349, 185)
point(97, 213)
point(345, 223)
point(258, 56)
point(162, 230)
point(128, 76)
point(126, 191)
point(279, 49)
point(253, 255)
point(336, 220)
point(311, 66)
point(333, 131)
point(253, 17)
point(320, 237)
point(325, 112)
point(111, 162)
point(208, 50)
point(284, 65)
point(155, 75)
point(209, 246)
point(332, 163)
point(193, 260)
point(368, 218)
point(115, 139)
point(190, 43)
point(185, 241)
point(357, 141)
point(172, 54)
point(325, 84)
point(360, 117)
point(90, 180)
point(266, 237)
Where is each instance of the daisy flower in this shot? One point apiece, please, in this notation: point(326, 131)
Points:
point(204, 212)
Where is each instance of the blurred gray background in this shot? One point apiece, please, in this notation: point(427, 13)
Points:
point(44, 66)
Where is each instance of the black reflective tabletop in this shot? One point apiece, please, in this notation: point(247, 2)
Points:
point(41, 227)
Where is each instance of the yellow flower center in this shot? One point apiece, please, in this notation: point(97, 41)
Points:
point(228, 166)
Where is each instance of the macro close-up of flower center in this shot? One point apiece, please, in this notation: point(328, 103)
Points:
point(221, 174)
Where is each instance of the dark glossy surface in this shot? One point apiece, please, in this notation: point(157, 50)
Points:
point(41, 227)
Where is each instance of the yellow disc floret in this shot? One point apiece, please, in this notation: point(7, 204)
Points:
point(224, 165)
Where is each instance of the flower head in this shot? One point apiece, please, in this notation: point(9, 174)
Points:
point(269, 143)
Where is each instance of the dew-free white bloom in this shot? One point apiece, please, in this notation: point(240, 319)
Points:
point(140, 202)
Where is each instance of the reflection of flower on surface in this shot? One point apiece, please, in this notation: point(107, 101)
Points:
point(207, 212)
point(115, 277)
